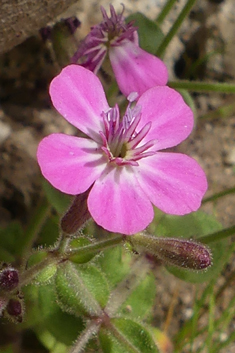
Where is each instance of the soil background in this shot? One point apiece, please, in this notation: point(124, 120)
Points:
point(26, 115)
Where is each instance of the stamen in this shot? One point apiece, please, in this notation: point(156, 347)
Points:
point(141, 149)
point(132, 97)
point(139, 136)
point(119, 139)
point(143, 155)
point(132, 127)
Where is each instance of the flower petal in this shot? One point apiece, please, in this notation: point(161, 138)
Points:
point(135, 69)
point(71, 164)
point(118, 204)
point(174, 182)
point(78, 95)
point(171, 118)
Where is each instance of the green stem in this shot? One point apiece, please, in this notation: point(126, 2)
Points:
point(184, 13)
point(90, 331)
point(211, 322)
point(29, 275)
point(219, 195)
point(217, 236)
point(166, 9)
point(63, 243)
point(197, 86)
point(97, 247)
point(56, 256)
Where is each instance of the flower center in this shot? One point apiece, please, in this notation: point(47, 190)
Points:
point(110, 32)
point(120, 139)
point(114, 28)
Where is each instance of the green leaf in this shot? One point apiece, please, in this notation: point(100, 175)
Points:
point(46, 316)
point(81, 289)
point(57, 199)
point(115, 263)
point(127, 336)
point(193, 226)
point(150, 34)
point(141, 300)
point(63, 326)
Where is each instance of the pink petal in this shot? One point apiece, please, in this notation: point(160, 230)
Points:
point(135, 69)
point(71, 164)
point(118, 204)
point(171, 118)
point(78, 95)
point(174, 182)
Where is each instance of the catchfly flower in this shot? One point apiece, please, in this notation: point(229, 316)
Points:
point(134, 68)
point(121, 160)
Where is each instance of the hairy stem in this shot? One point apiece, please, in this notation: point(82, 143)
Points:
point(91, 329)
point(57, 256)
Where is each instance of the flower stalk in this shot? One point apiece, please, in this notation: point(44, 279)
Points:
point(166, 9)
point(217, 236)
point(57, 256)
point(197, 86)
point(96, 247)
point(174, 29)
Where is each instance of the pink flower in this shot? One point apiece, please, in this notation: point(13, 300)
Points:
point(120, 158)
point(134, 68)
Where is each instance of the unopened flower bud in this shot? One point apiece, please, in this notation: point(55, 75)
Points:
point(9, 279)
point(77, 214)
point(14, 310)
point(172, 251)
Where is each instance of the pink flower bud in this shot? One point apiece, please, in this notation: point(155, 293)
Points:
point(172, 251)
point(73, 220)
